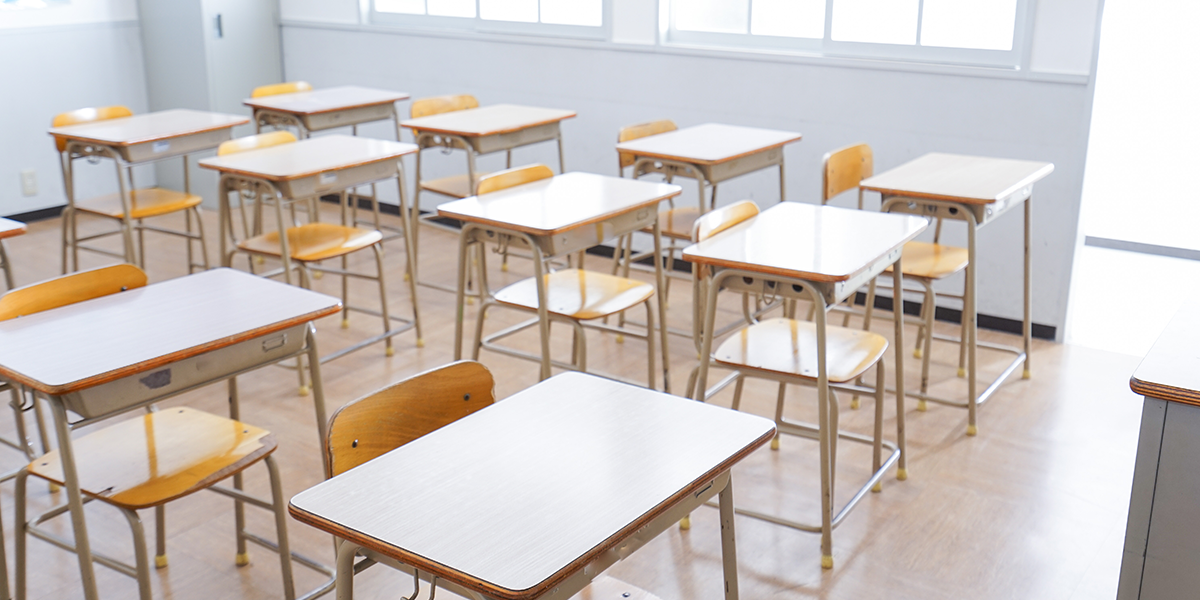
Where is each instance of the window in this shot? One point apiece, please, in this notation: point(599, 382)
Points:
point(573, 18)
point(982, 32)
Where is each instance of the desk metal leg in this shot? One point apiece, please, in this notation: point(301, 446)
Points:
point(464, 249)
point(410, 250)
point(543, 310)
point(345, 570)
point(898, 317)
point(728, 542)
point(661, 281)
point(83, 550)
point(561, 168)
point(318, 391)
point(971, 303)
point(783, 187)
point(826, 437)
point(1027, 330)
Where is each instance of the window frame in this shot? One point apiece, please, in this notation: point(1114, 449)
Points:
point(1015, 58)
point(603, 32)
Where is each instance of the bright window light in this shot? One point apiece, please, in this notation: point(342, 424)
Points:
point(451, 8)
point(876, 21)
point(788, 18)
point(715, 16)
point(509, 10)
point(589, 13)
point(412, 7)
point(980, 24)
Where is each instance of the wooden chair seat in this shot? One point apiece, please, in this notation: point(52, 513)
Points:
point(314, 241)
point(677, 223)
point(149, 202)
point(790, 347)
point(161, 456)
point(932, 261)
point(455, 186)
point(579, 294)
point(10, 228)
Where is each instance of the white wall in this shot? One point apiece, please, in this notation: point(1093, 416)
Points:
point(903, 112)
point(88, 53)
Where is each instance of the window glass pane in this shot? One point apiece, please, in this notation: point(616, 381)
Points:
point(509, 10)
point(791, 18)
point(983, 24)
point(719, 16)
point(573, 12)
point(412, 7)
point(451, 8)
point(875, 21)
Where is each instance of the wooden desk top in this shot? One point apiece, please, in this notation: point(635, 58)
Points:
point(561, 203)
point(488, 120)
point(149, 127)
point(511, 500)
point(958, 178)
point(82, 345)
point(807, 241)
point(309, 157)
point(710, 143)
point(1171, 370)
point(326, 100)
point(10, 228)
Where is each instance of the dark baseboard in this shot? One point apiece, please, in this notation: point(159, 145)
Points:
point(38, 215)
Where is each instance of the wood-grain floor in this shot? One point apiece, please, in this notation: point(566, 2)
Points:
point(1033, 507)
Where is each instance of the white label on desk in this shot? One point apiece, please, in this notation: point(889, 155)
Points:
point(160, 147)
point(327, 178)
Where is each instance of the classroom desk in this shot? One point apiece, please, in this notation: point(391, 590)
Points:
point(808, 252)
point(976, 190)
point(710, 153)
point(8, 228)
point(556, 217)
point(114, 354)
point(534, 496)
point(138, 140)
point(1162, 535)
point(328, 108)
point(332, 163)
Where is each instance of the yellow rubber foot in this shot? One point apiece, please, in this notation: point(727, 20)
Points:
point(406, 276)
point(854, 404)
point(345, 323)
point(420, 342)
point(470, 301)
point(160, 562)
point(917, 353)
point(901, 474)
point(55, 488)
point(242, 559)
point(258, 260)
point(304, 390)
point(826, 561)
point(620, 338)
point(878, 487)
point(1026, 374)
point(775, 444)
point(685, 523)
point(922, 405)
point(390, 351)
point(318, 274)
point(962, 373)
point(972, 430)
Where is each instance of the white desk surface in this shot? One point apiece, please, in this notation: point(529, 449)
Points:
point(958, 178)
point(10, 228)
point(85, 344)
point(512, 499)
point(488, 120)
point(808, 241)
point(148, 127)
point(710, 143)
point(309, 157)
point(1171, 370)
point(560, 203)
point(326, 100)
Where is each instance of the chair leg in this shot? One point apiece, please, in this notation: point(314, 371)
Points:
point(280, 505)
point(833, 441)
point(880, 380)
point(738, 384)
point(383, 300)
point(778, 411)
point(930, 300)
point(160, 536)
point(483, 308)
point(346, 294)
point(141, 556)
point(242, 557)
point(19, 421)
point(21, 534)
point(650, 349)
point(8, 278)
point(203, 240)
point(579, 357)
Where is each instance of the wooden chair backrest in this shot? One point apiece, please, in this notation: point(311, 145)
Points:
point(638, 131)
point(254, 142)
point(289, 87)
point(69, 289)
point(501, 180)
point(723, 218)
point(87, 115)
point(437, 105)
point(845, 168)
point(402, 412)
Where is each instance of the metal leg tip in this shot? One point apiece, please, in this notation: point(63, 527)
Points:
point(504, 267)
point(962, 373)
point(160, 562)
point(304, 390)
point(1026, 374)
point(917, 353)
point(878, 487)
point(318, 274)
point(901, 474)
point(972, 430)
point(258, 260)
point(470, 301)
point(775, 444)
point(826, 561)
point(406, 276)
point(854, 404)
point(420, 342)
point(922, 405)
point(242, 559)
point(620, 338)
point(685, 523)
point(345, 323)
point(390, 351)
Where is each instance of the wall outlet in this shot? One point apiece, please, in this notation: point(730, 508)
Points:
point(29, 182)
